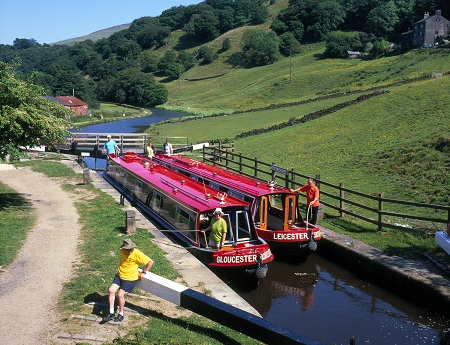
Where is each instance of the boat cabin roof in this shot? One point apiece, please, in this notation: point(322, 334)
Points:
point(187, 191)
point(251, 186)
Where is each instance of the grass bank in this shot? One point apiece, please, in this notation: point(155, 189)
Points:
point(102, 220)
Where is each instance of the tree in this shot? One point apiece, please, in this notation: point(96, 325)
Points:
point(259, 47)
point(26, 117)
point(203, 25)
point(289, 45)
point(226, 44)
point(382, 19)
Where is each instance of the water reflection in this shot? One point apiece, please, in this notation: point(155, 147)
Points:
point(327, 303)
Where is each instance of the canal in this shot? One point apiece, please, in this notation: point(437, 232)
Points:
point(322, 300)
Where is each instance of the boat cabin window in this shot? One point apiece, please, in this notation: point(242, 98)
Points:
point(230, 234)
point(243, 226)
point(156, 201)
point(185, 222)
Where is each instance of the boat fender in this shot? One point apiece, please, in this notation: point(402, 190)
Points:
point(312, 245)
point(261, 272)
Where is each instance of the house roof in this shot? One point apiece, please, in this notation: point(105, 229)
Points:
point(70, 101)
point(54, 99)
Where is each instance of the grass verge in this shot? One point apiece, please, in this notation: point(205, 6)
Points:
point(102, 220)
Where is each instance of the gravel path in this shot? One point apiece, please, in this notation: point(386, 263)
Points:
point(29, 288)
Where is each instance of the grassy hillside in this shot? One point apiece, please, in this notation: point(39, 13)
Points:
point(396, 143)
point(94, 36)
point(227, 88)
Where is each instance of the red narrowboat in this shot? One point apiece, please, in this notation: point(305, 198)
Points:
point(274, 209)
point(184, 207)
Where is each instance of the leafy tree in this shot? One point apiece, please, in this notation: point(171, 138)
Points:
point(164, 64)
point(141, 89)
point(175, 17)
point(148, 60)
point(382, 19)
point(24, 43)
point(206, 54)
point(259, 47)
point(226, 44)
point(26, 117)
point(289, 45)
point(204, 25)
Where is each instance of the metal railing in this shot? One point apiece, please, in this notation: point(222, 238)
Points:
point(136, 142)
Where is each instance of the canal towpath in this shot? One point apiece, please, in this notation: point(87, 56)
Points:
point(418, 276)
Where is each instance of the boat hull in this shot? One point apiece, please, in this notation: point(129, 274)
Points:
point(250, 256)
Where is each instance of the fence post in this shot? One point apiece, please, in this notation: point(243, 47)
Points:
point(380, 209)
point(341, 199)
point(318, 181)
point(240, 162)
point(292, 179)
point(255, 173)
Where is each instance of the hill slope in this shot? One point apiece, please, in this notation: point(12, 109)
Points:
point(94, 36)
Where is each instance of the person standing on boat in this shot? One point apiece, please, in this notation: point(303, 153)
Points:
point(168, 149)
point(110, 146)
point(126, 277)
point(218, 229)
point(150, 150)
point(312, 200)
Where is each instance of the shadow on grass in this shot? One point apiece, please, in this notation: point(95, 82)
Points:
point(8, 200)
point(100, 308)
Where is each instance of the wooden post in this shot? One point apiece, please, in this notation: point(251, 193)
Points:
point(318, 181)
point(380, 209)
point(255, 172)
point(130, 222)
point(240, 162)
point(86, 176)
point(341, 201)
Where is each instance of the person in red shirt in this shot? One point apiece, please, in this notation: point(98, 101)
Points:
point(312, 200)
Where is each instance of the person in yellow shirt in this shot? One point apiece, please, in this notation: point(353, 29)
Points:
point(150, 150)
point(126, 278)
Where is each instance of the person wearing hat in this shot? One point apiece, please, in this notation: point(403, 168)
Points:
point(218, 229)
point(110, 146)
point(126, 278)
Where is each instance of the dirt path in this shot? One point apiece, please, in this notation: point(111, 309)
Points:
point(30, 286)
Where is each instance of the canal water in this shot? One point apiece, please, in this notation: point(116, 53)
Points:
point(132, 125)
point(321, 300)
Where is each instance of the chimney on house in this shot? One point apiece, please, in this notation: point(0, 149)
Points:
point(438, 12)
point(426, 15)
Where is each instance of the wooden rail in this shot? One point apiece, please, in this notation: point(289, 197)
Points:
point(374, 209)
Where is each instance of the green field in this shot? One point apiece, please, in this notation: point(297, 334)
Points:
point(396, 143)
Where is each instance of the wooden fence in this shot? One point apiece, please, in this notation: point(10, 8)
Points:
point(374, 209)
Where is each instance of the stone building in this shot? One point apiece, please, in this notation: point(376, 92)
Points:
point(425, 32)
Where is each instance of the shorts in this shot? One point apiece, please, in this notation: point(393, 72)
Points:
point(125, 285)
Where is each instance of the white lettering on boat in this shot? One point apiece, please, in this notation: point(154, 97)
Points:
point(239, 259)
point(290, 236)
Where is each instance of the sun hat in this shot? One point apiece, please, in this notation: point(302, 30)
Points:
point(128, 244)
point(218, 210)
